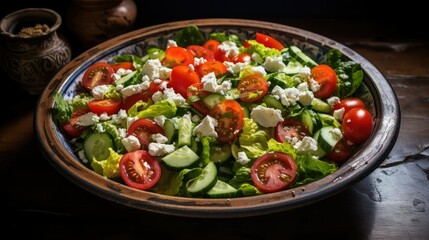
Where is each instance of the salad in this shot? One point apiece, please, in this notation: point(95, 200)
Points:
point(216, 117)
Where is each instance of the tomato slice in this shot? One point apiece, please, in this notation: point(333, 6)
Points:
point(201, 52)
point(326, 78)
point(143, 129)
point(175, 56)
point(99, 73)
point(197, 90)
point(230, 117)
point(139, 170)
point(242, 57)
point(214, 66)
point(71, 128)
point(269, 41)
point(145, 96)
point(291, 128)
point(252, 88)
point(357, 125)
point(181, 78)
point(341, 152)
point(212, 44)
point(273, 172)
point(109, 106)
point(124, 65)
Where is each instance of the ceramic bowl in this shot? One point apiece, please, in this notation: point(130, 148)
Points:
point(379, 96)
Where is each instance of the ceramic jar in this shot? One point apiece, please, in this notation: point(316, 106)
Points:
point(31, 50)
point(95, 21)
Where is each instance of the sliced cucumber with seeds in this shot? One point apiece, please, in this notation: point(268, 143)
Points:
point(297, 54)
point(311, 120)
point(222, 190)
point(213, 99)
point(220, 153)
point(327, 138)
point(169, 130)
point(320, 106)
point(97, 146)
point(204, 182)
point(185, 128)
point(179, 159)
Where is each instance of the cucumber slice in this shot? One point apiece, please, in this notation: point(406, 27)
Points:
point(320, 106)
point(320, 152)
point(301, 57)
point(181, 158)
point(204, 182)
point(272, 102)
point(213, 99)
point(220, 153)
point(327, 139)
point(292, 68)
point(97, 146)
point(169, 129)
point(185, 127)
point(311, 120)
point(222, 190)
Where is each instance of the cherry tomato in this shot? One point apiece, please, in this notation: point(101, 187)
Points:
point(230, 117)
point(71, 127)
point(145, 95)
point(124, 65)
point(109, 106)
point(357, 125)
point(242, 57)
point(341, 152)
point(197, 89)
point(269, 41)
point(273, 172)
point(175, 56)
point(212, 45)
point(326, 78)
point(252, 88)
point(201, 52)
point(139, 170)
point(99, 73)
point(349, 103)
point(211, 66)
point(181, 78)
point(290, 128)
point(143, 129)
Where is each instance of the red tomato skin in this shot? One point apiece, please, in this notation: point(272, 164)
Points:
point(143, 129)
point(200, 51)
point(109, 106)
point(197, 89)
point(124, 65)
point(327, 79)
point(214, 66)
point(242, 57)
point(230, 117)
point(252, 84)
point(212, 45)
point(357, 125)
point(265, 172)
point(290, 127)
point(145, 95)
point(71, 128)
point(177, 56)
point(181, 78)
point(139, 170)
point(341, 152)
point(268, 41)
point(349, 103)
point(99, 73)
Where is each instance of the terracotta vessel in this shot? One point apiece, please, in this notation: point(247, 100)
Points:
point(95, 21)
point(31, 55)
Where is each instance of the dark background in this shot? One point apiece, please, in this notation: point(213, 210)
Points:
point(399, 20)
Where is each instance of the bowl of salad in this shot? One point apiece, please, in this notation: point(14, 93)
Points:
point(217, 118)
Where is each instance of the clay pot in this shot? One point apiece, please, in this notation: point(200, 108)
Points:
point(95, 21)
point(33, 59)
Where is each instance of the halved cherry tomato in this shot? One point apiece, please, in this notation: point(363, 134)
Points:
point(109, 106)
point(357, 125)
point(201, 52)
point(326, 78)
point(268, 41)
point(273, 172)
point(252, 88)
point(242, 57)
point(212, 45)
point(214, 66)
point(349, 103)
point(99, 73)
point(145, 95)
point(230, 118)
point(139, 170)
point(71, 127)
point(181, 78)
point(124, 65)
point(175, 56)
point(143, 129)
point(290, 128)
point(341, 152)
point(197, 90)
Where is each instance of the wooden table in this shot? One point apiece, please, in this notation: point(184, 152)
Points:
point(390, 203)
